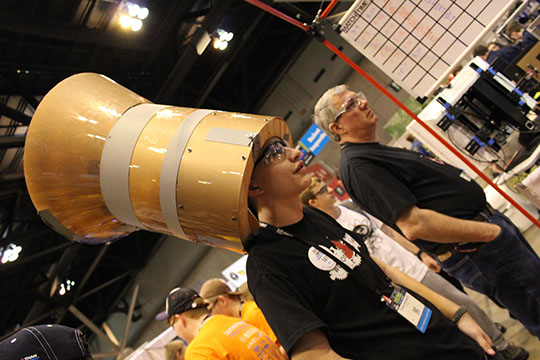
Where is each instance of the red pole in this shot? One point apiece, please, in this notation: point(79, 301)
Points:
point(329, 8)
point(430, 130)
point(279, 14)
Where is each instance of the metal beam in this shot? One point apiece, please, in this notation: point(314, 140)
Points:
point(84, 280)
point(29, 323)
point(107, 354)
point(91, 326)
point(129, 315)
point(11, 177)
point(90, 271)
point(14, 141)
point(105, 284)
point(71, 32)
point(15, 115)
point(17, 87)
point(110, 333)
point(48, 289)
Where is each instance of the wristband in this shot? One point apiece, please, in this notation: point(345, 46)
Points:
point(462, 310)
point(419, 254)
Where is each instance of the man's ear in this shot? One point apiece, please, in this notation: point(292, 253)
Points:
point(255, 190)
point(334, 127)
point(312, 202)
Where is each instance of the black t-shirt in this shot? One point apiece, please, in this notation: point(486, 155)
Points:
point(384, 180)
point(300, 290)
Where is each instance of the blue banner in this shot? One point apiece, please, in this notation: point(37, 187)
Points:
point(314, 139)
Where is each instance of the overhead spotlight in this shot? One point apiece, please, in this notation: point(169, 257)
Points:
point(10, 253)
point(219, 44)
point(143, 13)
point(136, 24)
point(132, 16)
point(125, 21)
point(133, 9)
point(65, 287)
point(222, 38)
point(224, 35)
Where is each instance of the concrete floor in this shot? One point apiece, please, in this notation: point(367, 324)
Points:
point(515, 333)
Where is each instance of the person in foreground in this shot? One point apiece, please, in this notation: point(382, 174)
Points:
point(388, 246)
point(436, 205)
point(324, 296)
point(221, 300)
point(214, 336)
point(45, 342)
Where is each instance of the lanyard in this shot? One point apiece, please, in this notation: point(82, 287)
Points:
point(208, 316)
point(357, 274)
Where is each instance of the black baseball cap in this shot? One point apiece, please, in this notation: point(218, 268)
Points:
point(178, 301)
point(45, 342)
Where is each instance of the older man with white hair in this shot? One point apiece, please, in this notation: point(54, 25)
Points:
point(436, 205)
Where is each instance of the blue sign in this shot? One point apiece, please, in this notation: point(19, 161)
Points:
point(314, 139)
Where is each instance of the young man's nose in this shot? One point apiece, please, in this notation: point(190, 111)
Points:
point(293, 154)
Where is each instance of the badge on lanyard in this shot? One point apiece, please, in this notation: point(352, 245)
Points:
point(409, 307)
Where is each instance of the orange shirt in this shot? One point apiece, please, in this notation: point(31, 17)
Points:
point(225, 337)
point(251, 314)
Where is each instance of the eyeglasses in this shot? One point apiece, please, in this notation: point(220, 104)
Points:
point(275, 151)
point(321, 191)
point(350, 104)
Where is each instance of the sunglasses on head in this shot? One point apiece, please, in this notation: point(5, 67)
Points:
point(350, 104)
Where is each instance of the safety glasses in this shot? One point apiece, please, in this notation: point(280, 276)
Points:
point(350, 104)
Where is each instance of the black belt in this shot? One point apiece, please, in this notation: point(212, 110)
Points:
point(444, 251)
point(484, 214)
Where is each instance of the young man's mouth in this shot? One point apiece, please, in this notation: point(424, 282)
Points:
point(299, 167)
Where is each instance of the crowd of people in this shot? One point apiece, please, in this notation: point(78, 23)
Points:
point(358, 280)
point(502, 56)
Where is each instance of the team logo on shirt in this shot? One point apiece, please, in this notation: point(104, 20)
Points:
point(342, 250)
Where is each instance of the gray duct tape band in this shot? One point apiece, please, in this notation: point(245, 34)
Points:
point(231, 136)
point(169, 171)
point(116, 159)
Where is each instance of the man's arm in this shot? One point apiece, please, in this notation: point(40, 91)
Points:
point(466, 324)
point(412, 248)
point(416, 223)
point(313, 345)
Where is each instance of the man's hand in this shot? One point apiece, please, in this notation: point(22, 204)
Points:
point(430, 262)
point(495, 231)
point(469, 327)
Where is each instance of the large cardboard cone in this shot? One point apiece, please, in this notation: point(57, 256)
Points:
point(101, 162)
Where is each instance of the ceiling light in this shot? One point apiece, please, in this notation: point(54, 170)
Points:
point(125, 21)
point(133, 9)
point(10, 254)
point(65, 287)
point(143, 13)
point(136, 24)
point(221, 45)
point(224, 35)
